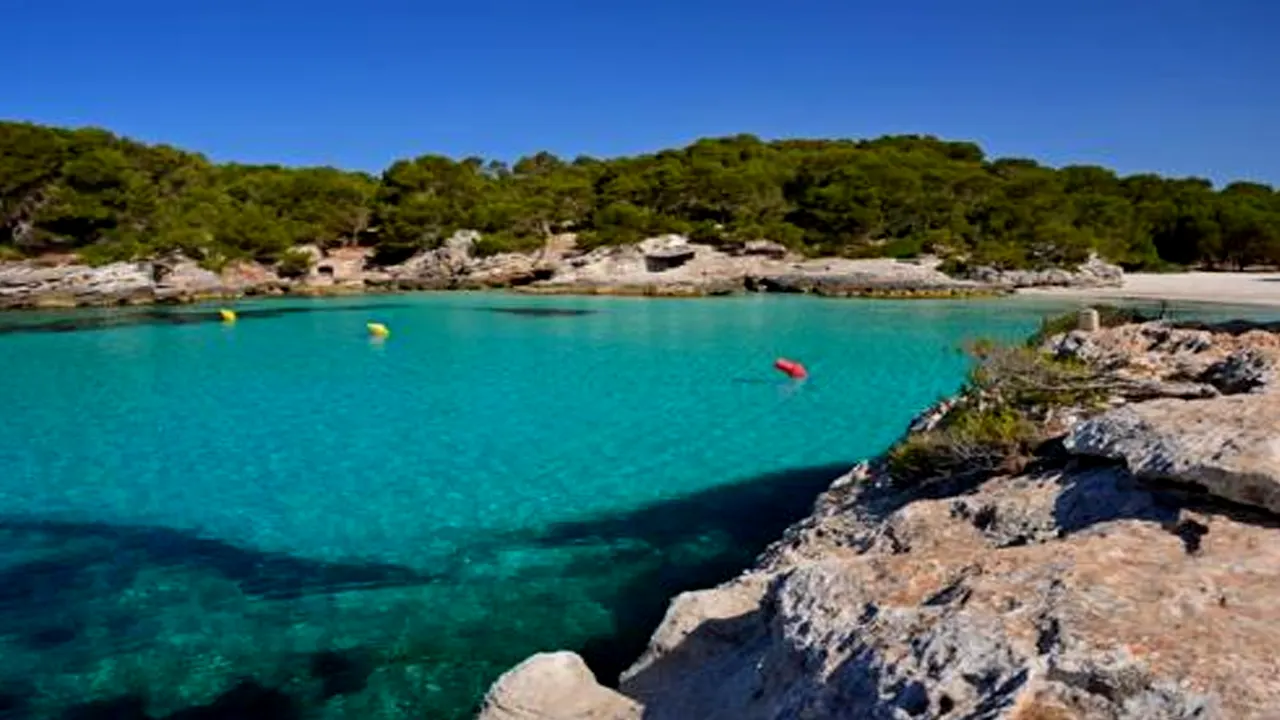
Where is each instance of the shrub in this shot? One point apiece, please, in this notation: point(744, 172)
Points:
point(505, 242)
point(215, 261)
point(706, 232)
point(903, 248)
point(1108, 316)
point(105, 253)
point(999, 419)
point(293, 263)
point(971, 440)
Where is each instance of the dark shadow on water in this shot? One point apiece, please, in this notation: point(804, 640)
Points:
point(62, 577)
point(694, 541)
point(340, 673)
point(246, 701)
point(85, 320)
point(74, 562)
point(537, 312)
point(630, 564)
point(129, 548)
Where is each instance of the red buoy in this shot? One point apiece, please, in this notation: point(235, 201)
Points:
point(792, 368)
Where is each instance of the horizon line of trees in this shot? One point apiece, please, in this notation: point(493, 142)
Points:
point(107, 198)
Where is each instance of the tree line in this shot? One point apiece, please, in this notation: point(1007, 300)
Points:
point(108, 198)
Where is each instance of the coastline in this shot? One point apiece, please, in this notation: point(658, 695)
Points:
point(1229, 288)
point(1060, 585)
point(665, 266)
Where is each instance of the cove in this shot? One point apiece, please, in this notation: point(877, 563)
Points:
point(283, 518)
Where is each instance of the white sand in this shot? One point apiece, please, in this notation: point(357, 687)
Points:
point(1228, 288)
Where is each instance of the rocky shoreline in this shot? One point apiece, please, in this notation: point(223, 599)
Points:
point(1127, 570)
point(668, 266)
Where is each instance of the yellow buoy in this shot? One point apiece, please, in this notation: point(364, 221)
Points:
point(378, 329)
point(227, 315)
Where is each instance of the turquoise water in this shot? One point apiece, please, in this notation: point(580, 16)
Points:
point(285, 518)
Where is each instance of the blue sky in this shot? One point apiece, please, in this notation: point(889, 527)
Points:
point(1183, 87)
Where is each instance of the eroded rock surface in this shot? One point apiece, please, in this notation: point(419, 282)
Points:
point(1229, 446)
point(1091, 274)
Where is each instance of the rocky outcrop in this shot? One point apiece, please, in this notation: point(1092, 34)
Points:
point(671, 265)
point(172, 279)
point(855, 278)
point(34, 284)
point(1092, 274)
point(1128, 573)
point(1228, 446)
point(668, 265)
point(182, 279)
point(339, 268)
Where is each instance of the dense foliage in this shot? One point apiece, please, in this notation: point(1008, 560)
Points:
point(106, 197)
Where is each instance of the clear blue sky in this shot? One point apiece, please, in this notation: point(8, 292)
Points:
point(1185, 87)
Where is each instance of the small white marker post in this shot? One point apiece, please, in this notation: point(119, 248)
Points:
point(1088, 320)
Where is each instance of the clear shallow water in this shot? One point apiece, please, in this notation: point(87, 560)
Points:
point(285, 518)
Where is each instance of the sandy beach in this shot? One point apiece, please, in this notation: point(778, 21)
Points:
point(1209, 287)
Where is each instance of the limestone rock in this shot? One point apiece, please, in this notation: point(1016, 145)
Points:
point(1157, 350)
point(859, 277)
point(180, 278)
point(1077, 593)
point(1246, 370)
point(507, 270)
point(30, 283)
point(252, 278)
point(340, 266)
point(1230, 445)
point(554, 686)
point(1093, 273)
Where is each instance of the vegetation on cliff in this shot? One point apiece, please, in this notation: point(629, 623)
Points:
point(1004, 414)
point(105, 198)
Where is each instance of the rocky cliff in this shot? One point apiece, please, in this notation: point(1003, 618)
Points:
point(1128, 569)
point(665, 266)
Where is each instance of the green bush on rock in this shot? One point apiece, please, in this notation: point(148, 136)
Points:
point(999, 419)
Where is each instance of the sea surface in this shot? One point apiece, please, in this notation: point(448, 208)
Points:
point(285, 517)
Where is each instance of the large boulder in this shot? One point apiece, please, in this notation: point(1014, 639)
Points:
point(554, 686)
point(252, 278)
point(1229, 446)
